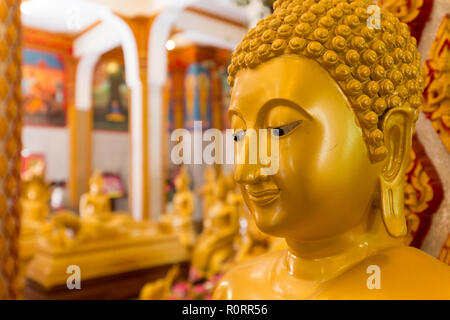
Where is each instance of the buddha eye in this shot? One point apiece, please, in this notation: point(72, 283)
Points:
point(238, 135)
point(284, 130)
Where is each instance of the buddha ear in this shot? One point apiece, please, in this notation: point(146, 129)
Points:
point(398, 128)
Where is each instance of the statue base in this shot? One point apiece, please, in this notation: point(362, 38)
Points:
point(103, 266)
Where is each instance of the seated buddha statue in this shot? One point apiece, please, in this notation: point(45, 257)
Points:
point(207, 192)
point(160, 289)
point(34, 211)
point(215, 245)
point(95, 203)
point(34, 201)
point(96, 223)
point(180, 219)
point(342, 100)
point(252, 242)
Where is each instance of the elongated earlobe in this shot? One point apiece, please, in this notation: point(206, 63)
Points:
point(398, 127)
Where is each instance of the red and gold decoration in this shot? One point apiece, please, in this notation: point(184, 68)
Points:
point(423, 188)
point(423, 195)
point(437, 83)
point(445, 253)
point(10, 145)
point(415, 13)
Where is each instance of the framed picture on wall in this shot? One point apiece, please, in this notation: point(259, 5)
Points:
point(33, 164)
point(113, 186)
point(43, 90)
point(111, 96)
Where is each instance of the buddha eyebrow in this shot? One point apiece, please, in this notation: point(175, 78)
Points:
point(278, 102)
point(234, 111)
point(288, 127)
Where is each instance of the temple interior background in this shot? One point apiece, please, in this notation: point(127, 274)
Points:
point(86, 165)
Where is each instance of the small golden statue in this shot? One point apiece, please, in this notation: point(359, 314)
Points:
point(34, 201)
point(342, 98)
point(160, 289)
point(95, 203)
point(252, 242)
point(207, 192)
point(100, 242)
point(34, 208)
point(215, 245)
point(180, 220)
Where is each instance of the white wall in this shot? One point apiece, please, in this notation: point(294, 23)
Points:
point(54, 144)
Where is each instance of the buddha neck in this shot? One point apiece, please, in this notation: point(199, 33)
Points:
point(324, 259)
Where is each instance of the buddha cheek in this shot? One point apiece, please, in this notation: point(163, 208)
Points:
point(339, 191)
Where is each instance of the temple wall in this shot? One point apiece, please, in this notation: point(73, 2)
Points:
point(53, 142)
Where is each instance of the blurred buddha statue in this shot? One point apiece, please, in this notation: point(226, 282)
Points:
point(100, 242)
point(96, 221)
point(95, 203)
point(234, 196)
point(207, 192)
point(160, 289)
point(34, 208)
point(252, 242)
point(180, 220)
point(341, 98)
point(34, 200)
point(215, 245)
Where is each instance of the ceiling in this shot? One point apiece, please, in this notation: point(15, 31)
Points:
point(74, 16)
point(60, 16)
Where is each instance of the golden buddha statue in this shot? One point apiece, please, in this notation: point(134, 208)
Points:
point(215, 245)
point(100, 242)
point(342, 98)
point(34, 210)
point(34, 201)
point(180, 220)
point(252, 242)
point(95, 203)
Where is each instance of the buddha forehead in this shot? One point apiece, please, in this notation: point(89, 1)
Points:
point(294, 80)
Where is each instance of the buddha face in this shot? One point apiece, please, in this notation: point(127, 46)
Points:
point(96, 185)
point(181, 183)
point(325, 183)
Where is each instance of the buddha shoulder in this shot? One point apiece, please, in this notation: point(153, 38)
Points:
point(403, 273)
point(247, 280)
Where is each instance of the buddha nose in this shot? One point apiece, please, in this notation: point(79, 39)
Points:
point(249, 174)
point(247, 165)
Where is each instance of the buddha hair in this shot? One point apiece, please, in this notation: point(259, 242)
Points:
point(377, 69)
